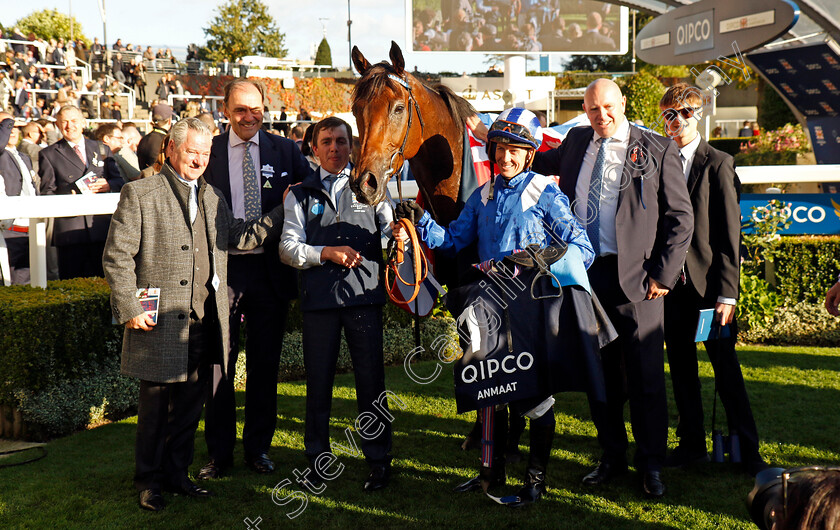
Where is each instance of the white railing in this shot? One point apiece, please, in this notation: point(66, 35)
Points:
point(788, 174)
point(39, 209)
point(214, 100)
point(42, 46)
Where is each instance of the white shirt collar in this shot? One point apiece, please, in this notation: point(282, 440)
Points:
point(690, 148)
point(235, 140)
point(80, 143)
point(621, 134)
point(323, 173)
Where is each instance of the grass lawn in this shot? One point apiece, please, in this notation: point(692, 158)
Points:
point(85, 480)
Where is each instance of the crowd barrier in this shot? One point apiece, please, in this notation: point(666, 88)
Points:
point(39, 209)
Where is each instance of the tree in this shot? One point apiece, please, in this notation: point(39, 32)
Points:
point(323, 55)
point(643, 93)
point(51, 24)
point(243, 27)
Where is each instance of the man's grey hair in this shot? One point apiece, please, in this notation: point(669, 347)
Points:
point(178, 132)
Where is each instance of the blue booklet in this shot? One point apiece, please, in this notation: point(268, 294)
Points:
point(708, 329)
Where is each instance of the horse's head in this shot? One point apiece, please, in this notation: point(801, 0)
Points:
point(389, 121)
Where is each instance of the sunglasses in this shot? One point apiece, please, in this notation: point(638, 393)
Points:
point(513, 128)
point(685, 113)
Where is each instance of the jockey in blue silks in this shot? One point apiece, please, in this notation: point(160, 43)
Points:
point(519, 210)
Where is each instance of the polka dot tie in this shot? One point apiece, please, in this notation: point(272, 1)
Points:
point(253, 208)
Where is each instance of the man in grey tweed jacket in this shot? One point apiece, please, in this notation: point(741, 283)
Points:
point(171, 231)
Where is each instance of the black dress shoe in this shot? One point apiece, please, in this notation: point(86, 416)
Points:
point(652, 484)
point(151, 500)
point(604, 473)
point(378, 478)
point(189, 489)
point(260, 463)
point(212, 470)
point(681, 457)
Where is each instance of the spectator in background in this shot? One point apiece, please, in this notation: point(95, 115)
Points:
point(20, 99)
point(746, 131)
point(118, 46)
point(112, 136)
point(80, 240)
point(117, 68)
point(717, 132)
point(150, 146)
point(303, 115)
point(140, 80)
point(296, 135)
point(594, 39)
point(29, 143)
point(306, 149)
point(208, 120)
point(755, 129)
point(16, 180)
point(6, 90)
point(832, 299)
point(126, 157)
point(97, 54)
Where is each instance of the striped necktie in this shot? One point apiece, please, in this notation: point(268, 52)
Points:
point(596, 188)
point(251, 188)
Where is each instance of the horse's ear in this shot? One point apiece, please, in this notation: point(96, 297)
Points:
point(397, 58)
point(362, 65)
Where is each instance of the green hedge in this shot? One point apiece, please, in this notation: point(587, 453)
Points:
point(59, 356)
point(60, 353)
point(807, 266)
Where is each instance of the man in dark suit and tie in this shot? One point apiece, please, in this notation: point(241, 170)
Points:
point(79, 240)
point(252, 170)
point(712, 268)
point(171, 231)
point(16, 176)
point(626, 186)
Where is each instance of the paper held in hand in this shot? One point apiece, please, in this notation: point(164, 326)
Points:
point(708, 329)
point(84, 182)
point(149, 299)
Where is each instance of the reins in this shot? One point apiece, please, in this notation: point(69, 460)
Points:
point(396, 256)
point(396, 249)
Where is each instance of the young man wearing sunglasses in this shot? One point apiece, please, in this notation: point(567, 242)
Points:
point(711, 270)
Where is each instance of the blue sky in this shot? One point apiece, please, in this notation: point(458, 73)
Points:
point(176, 23)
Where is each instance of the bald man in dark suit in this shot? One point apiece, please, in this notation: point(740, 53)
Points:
point(627, 189)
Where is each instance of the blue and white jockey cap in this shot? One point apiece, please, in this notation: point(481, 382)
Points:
point(516, 126)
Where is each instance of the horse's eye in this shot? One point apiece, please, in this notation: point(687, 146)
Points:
point(399, 109)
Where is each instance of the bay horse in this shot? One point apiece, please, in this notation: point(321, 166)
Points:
point(399, 118)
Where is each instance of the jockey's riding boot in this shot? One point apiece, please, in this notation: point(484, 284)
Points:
point(534, 486)
point(517, 427)
point(493, 475)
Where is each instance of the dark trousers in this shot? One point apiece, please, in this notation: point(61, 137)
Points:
point(80, 260)
point(250, 294)
point(18, 248)
point(634, 371)
point(682, 307)
point(321, 338)
point(168, 415)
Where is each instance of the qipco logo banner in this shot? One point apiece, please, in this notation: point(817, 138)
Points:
point(810, 213)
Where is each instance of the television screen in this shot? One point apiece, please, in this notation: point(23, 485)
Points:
point(516, 26)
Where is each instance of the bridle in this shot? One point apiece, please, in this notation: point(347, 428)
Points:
point(391, 170)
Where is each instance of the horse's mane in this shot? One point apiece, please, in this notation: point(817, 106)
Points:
point(376, 79)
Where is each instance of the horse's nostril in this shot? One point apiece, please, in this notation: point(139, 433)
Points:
point(369, 181)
